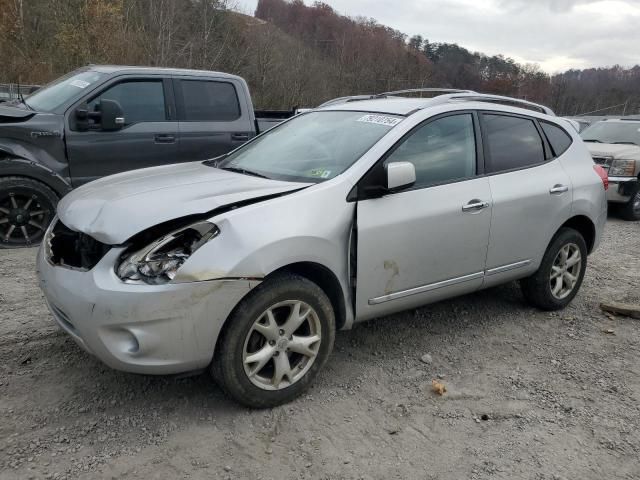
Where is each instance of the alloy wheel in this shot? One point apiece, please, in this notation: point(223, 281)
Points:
point(282, 345)
point(565, 271)
point(24, 217)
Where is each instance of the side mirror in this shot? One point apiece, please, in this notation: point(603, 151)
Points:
point(111, 115)
point(400, 175)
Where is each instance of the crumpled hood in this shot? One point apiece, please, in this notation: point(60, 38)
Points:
point(631, 152)
point(115, 208)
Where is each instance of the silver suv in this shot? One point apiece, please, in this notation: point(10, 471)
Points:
point(247, 264)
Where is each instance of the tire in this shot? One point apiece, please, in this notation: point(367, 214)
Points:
point(631, 210)
point(26, 209)
point(251, 333)
point(539, 289)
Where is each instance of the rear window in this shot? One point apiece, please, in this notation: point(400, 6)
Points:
point(514, 142)
point(207, 101)
point(559, 139)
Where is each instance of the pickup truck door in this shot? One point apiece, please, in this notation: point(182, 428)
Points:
point(149, 137)
point(428, 242)
point(215, 116)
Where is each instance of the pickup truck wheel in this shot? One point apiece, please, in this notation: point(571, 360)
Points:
point(26, 209)
point(275, 342)
point(631, 210)
point(561, 272)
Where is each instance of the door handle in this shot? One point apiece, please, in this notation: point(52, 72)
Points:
point(164, 138)
point(475, 206)
point(240, 137)
point(558, 189)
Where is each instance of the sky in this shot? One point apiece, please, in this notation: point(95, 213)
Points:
point(555, 34)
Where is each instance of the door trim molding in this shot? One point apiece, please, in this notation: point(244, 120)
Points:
point(507, 268)
point(426, 288)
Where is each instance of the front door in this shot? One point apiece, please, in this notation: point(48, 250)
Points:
point(149, 136)
point(429, 242)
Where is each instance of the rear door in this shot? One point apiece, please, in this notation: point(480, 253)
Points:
point(213, 119)
point(532, 194)
point(430, 241)
point(149, 136)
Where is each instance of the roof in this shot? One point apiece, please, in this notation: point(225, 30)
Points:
point(111, 69)
point(393, 106)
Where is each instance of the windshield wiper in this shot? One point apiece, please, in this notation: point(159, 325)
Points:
point(591, 140)
point(624, 143)
point(244, 171)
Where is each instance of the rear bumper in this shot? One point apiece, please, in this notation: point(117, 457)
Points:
point(162, 329)
point(621, 189)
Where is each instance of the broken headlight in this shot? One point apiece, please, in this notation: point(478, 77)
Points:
point(159, 262)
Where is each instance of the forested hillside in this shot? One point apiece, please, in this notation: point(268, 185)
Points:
point(290, 53)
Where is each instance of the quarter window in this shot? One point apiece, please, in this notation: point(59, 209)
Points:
point(209, 101)
point(513, 143)
point(559, 140)
point(443, 150)
point(141, 101)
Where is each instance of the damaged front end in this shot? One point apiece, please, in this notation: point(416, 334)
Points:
point(75, 250)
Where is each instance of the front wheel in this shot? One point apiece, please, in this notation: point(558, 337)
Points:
point(275, 342)
point(631, 210)
point(561, 272)
point(26, 209)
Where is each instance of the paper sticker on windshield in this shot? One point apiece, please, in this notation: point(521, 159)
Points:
point(320, 173)
point(79, 83)
point(380, 120)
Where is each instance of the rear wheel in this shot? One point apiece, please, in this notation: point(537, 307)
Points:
point(275, 342)
point(561, 272)
point(631, 210)
point(26, 209)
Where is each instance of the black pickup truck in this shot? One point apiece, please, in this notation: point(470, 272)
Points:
point(101, 120)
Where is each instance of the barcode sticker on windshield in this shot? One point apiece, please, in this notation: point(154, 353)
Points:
point(79, 83)
point(380, 120)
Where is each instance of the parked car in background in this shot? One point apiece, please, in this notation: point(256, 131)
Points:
point(615, 145)
point(102, 120)
point(247, 264)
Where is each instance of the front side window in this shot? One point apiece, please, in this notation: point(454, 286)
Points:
point(141, 101)
point(513, 143)
point(443, 150)
point(207, 101)
point(312, 147)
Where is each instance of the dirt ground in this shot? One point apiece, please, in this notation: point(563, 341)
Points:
point(529, 395)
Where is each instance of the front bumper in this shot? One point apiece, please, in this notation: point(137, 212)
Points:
point(621, 189)
point(159, 329)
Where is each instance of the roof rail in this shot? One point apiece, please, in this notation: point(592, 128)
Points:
point(483, 97)
point(441, 91)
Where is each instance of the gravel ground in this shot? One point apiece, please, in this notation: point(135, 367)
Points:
point(529, 395)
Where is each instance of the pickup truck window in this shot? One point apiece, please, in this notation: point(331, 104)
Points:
point(64, 89)
point(312, 147)
point(209, 101)
point(141, 101)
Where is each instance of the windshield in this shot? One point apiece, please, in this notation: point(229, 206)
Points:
point(613, 132)
point(312, 147)
point(60, 91)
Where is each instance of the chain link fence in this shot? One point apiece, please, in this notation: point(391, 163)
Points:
point(11, 91)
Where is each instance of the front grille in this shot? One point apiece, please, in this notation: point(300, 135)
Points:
point(74, 249)
point(604, 162)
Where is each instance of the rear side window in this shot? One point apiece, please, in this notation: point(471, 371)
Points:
point(559, 139)
point(207, 101)
point(513, 143)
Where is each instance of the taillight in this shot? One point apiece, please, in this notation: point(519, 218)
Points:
point(604, 176)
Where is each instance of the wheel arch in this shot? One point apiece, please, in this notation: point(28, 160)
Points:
point(325, 279)
point(583, 225)
point(21, 167)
